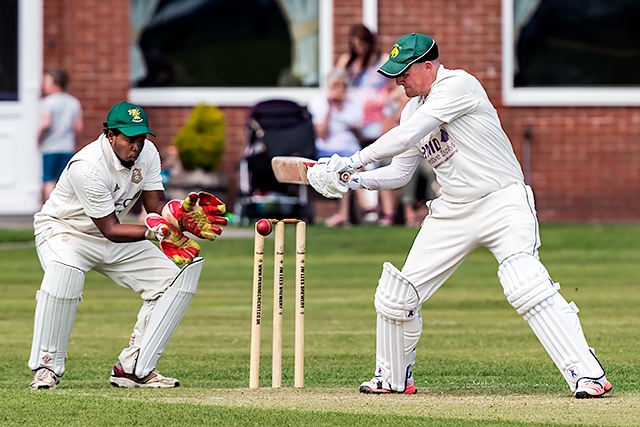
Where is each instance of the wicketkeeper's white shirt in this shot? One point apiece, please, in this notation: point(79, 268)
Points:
point(95, 183)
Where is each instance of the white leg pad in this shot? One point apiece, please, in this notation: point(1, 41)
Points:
point(399, 326)
point(533, 294)
point(165, 317)
point(57, 303)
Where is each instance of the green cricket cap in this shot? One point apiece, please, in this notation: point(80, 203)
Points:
point(409, 49)
point(128, 118)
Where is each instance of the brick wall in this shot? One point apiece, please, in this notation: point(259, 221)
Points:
point(584, 161)
point(90, 38)
point(166, 122)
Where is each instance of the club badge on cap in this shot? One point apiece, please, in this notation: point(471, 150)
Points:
point(409, 49)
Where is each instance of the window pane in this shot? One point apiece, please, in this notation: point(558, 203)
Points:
point(573, 43)
point(9, 50)
point(225, 43)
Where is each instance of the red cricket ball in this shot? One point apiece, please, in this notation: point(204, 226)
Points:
point(264, 227)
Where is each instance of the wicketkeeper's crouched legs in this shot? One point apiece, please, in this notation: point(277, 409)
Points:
point(399, 326)
point(533, 294)
point(57, 303)
point(157, 320)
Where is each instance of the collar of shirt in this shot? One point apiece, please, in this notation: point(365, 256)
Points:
point(110, 155)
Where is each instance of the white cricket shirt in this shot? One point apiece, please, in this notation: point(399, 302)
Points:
point(470, 152)
point(95, 183)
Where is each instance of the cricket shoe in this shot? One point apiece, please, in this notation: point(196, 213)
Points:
point(379, 386)
point(44, 378)
point(588, 388)
point(119, 378)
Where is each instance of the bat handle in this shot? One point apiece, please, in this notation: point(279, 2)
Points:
point(345, 176)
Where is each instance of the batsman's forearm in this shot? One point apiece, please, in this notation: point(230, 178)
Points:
point(395, 175)
point(399, 139)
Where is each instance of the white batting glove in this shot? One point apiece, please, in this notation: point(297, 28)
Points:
point(332, 177)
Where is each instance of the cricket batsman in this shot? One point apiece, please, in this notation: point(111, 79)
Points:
point(79, 229)
point(484, 202)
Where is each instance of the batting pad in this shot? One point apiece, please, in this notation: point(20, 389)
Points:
point(533, 294)
point(398, 326)
point(57, 303)
point(166, 316)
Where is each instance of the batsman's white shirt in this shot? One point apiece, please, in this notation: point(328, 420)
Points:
point(95, 183)
point(470, 153)
point(484, 201)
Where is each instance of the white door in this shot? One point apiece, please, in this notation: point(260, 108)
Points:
point(20, 76)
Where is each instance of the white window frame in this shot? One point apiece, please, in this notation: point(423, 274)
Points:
point(244, 96)
point(559, 96)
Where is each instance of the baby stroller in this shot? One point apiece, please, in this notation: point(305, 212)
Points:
point(275, 127)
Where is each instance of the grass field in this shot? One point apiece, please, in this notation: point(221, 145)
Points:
point(478, 363)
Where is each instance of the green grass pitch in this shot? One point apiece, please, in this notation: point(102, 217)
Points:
point(478, 363)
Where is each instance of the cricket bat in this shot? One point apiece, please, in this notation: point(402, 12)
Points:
point(291, 169)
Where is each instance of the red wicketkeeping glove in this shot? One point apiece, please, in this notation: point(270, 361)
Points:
point(199, 214)
point(173, 242)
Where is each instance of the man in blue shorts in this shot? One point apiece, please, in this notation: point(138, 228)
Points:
point(60, 123)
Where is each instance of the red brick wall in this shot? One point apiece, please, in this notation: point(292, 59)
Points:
point(584, 161)
point(90, 38)
point(166, 122)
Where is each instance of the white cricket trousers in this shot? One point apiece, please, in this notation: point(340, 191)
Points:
point(139, 266)
point(503, 221)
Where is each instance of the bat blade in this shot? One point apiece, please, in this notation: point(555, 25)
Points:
point(291, 169)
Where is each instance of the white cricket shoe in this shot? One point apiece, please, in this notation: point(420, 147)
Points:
point(377, 385)
point(588, 387)
point(44, 378)
point(119, 378)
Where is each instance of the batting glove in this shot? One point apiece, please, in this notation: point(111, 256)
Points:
point(332, 177)
point(173, 242)
point(199, 214)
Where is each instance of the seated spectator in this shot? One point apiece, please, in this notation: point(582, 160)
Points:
point(371, 89)
point(336, 120)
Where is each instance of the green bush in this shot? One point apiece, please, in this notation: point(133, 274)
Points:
point(201, 140)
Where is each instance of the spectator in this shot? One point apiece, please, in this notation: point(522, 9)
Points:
point(336, 119)
point(371, 89)
point(60, 123)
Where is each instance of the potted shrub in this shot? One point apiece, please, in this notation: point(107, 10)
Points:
point(201, 143)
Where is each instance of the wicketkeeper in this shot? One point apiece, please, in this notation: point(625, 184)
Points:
point(79, 229)
point(484, 202)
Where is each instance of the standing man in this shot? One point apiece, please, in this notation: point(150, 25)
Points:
point(79, 229)
point(484, 202)
point(60, 124)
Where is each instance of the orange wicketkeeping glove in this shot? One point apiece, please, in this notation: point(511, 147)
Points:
point(173, 242)
point(199, 214)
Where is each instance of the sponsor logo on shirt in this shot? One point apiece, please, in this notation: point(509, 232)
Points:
point(116, 188)
point(119, 207)
point(437, 149)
